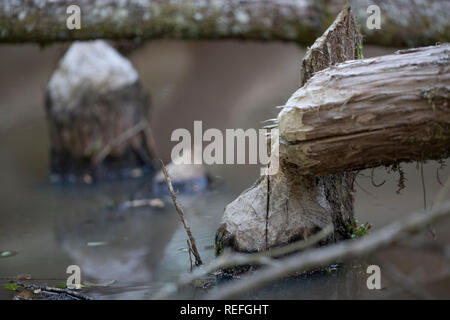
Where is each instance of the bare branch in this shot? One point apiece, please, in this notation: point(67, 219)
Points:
point(77, 295)
point(198, 260)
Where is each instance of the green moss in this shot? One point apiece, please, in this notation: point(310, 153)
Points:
point(358, 230)
point(11, 286)
point(359, 51)
point(218, 248)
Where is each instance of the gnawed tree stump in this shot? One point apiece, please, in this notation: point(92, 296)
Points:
point(97, 116)
point(350, 116)
point(289, 206)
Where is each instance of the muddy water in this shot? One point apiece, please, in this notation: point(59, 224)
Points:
point(135, 252)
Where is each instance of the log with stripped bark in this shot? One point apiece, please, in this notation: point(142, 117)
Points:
point(371, 112)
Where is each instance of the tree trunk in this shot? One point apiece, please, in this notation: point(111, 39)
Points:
point(371, 112)
point(289, 206)
point(352, 115)
point(404, 23)
point(97, 116)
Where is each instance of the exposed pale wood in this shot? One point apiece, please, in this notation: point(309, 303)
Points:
point(370, 112)
point(288, 206)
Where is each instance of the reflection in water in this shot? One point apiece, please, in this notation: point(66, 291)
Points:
point(140, 247)
point(134, 240)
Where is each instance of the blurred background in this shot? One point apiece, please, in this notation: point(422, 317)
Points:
point(226, 84)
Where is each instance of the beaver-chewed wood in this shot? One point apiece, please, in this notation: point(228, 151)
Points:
point(370, 112)
point(97, 116)
point(289, 206)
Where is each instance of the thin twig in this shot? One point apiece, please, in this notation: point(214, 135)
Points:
point(230, 259)
point(373, 182)
point(69, 292)
point(364, 190)
point(198, 260)
point(190, 254)
point(442, 166)
point(344, 250)
point(424, 190)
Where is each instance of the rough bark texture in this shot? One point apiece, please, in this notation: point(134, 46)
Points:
point(290, 206)
point(404, 22)
point(340, 42)
point(370, 112)
point(97, 111)
point(44, 21)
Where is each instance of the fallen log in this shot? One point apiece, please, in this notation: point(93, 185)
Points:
point(403, 23)
point(371, 112)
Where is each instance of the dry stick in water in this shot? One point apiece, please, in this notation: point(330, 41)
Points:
point(69, 292)
point(190, 254)
point(198, 260)
point(230, 259)
point(345, 250)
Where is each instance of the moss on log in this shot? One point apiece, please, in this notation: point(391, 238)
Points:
point(404, 23)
